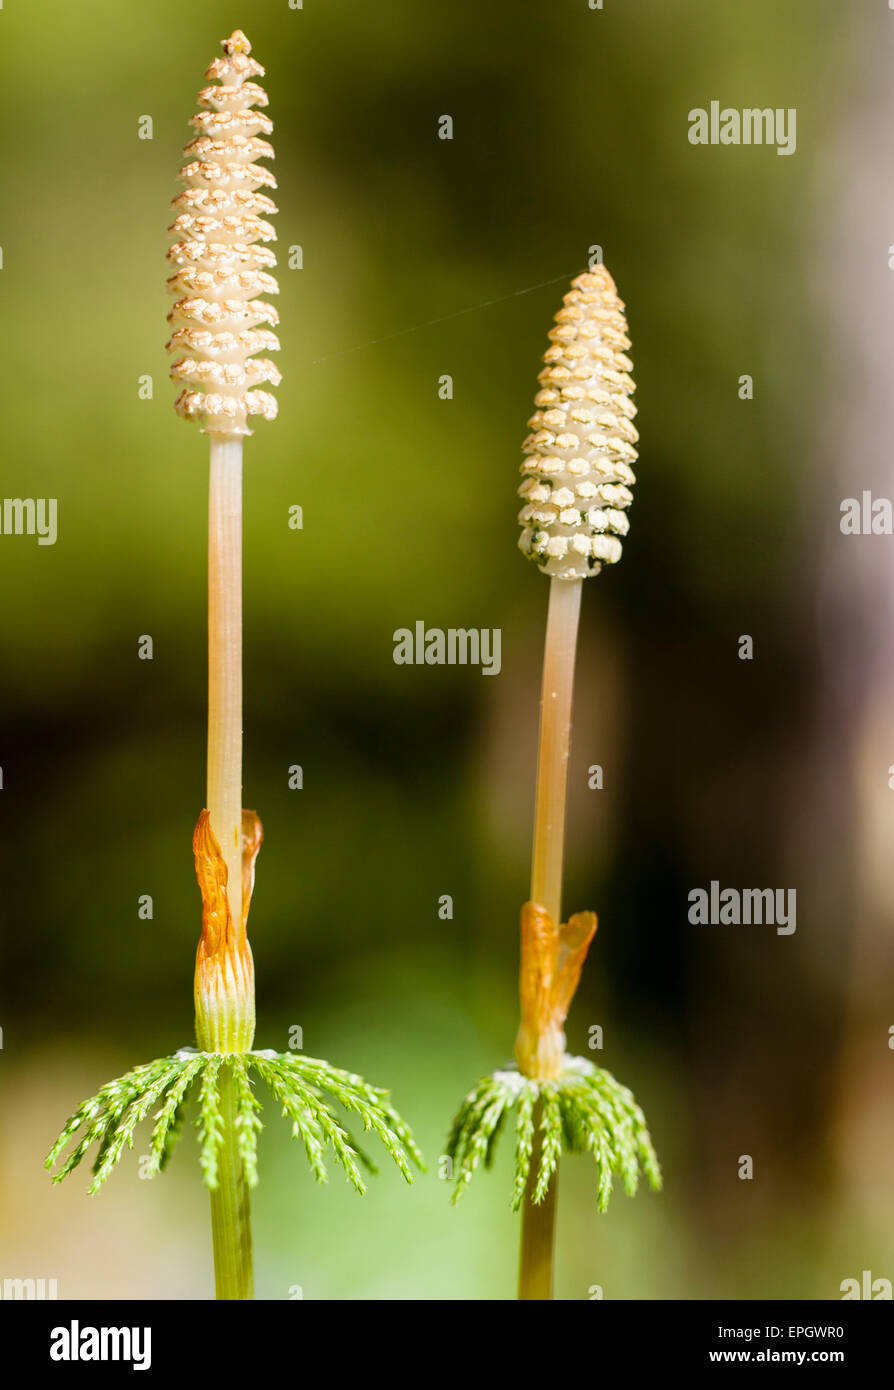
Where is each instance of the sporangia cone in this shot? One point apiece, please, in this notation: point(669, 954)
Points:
point(578, 458)
point(221, 270)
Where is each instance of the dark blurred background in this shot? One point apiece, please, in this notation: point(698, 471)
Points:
point(424, 257)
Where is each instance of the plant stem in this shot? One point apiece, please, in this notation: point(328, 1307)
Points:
point(225, 659)
point(538, 1222)
point(230, 1209)
point(555, 743)
point(538, 1237)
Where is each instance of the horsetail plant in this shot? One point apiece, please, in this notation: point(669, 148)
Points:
point(576, 490)
point(220, 270)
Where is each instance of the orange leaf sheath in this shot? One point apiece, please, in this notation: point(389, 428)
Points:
point(551, 963)
point(225, 976)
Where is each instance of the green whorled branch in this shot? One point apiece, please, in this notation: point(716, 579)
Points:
point(304, 1087)
point(583, 1110)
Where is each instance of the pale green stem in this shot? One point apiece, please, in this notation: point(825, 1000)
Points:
point(230, 1208)
point(538, 1237)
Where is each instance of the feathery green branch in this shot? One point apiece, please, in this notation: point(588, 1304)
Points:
point(584, 1110)
point(299, 1084)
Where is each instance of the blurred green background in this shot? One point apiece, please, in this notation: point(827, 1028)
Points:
point(424, 257)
